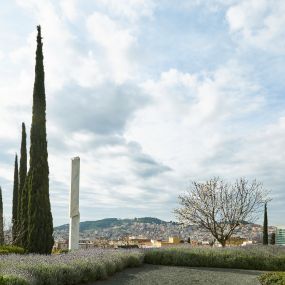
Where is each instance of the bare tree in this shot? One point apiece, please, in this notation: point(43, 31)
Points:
point(221, 207)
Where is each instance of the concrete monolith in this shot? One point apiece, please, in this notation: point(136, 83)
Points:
point(74, 204)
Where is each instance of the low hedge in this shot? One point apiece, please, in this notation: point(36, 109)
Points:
point(11, 280)
point(6, 249)
point(272, 278)
point(219, 258)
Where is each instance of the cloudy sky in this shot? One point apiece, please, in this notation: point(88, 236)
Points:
point(151, 95)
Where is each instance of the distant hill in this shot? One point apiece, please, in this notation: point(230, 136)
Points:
point(149, 227)
point(112, 222)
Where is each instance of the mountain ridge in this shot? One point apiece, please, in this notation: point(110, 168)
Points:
point(113, 222)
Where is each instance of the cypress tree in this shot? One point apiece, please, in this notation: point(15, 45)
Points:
point(15, 201)
point(1, 219)
point(22, 201)
point(265, 226)
point(24, 221)
point(40, 224)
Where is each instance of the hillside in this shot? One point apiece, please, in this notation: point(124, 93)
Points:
point(153, 228)
point(113, 228)
point(113, 222)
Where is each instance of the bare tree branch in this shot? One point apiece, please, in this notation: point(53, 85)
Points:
point(220, 207)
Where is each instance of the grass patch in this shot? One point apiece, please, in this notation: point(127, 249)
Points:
point(7, 249)
point(254, 258)
point(12, 280)
point(272, 278)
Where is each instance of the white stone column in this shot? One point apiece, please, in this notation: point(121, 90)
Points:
point(74, 205)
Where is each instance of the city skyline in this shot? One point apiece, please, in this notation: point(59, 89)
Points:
point(150, 96)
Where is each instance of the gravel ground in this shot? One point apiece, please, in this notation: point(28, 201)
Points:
point(161, 275)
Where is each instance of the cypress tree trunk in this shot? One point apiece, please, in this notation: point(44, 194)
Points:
point(40, 225)
point(15, 202)
point(22, 214)
point(265, 226)
point(1, 219)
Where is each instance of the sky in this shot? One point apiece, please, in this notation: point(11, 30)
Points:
point(151, 95)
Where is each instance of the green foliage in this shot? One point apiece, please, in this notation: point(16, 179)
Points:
point(22, 195)
point(40, 225)
point(11, 280)
point(59, 251)
point(1, 219)
point(250, 258)
point(15, 201)
point(150, 220)
point(105, 223)
point(23, 223)
point(265, 226)
point(272, 238)
point(6, 249)
point(272, 278)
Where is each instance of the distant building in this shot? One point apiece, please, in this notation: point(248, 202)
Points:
point(247, 242)
point(174, 240)
point(280, 235)
point(60, 245)
point(85, 243)
point(171, 241)
point(139, 241)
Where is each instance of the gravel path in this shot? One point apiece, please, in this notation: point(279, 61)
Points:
point(169, 275)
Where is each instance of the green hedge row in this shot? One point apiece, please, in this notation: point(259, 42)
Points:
point(272, 278)
point(211, 258)
point(6, 249)
point(11, 280)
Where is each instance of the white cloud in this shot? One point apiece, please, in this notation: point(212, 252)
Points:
point(1, 55)
point(70, 9)
point(264, 151)
point(117, 43)
point(88, 71)
point(258, 23)
point(192, 110)
point(66, 63)
point(130, 9)
point(210, 5)
point(110, 174)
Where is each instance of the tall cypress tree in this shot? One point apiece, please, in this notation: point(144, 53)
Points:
point(24, 220)
point(1, 219)
point(15, 202)
point(265, 226)
point(40, 224)
point(22, 201)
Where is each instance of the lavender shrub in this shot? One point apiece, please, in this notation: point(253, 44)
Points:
point(271, 258)
point(72, 268)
